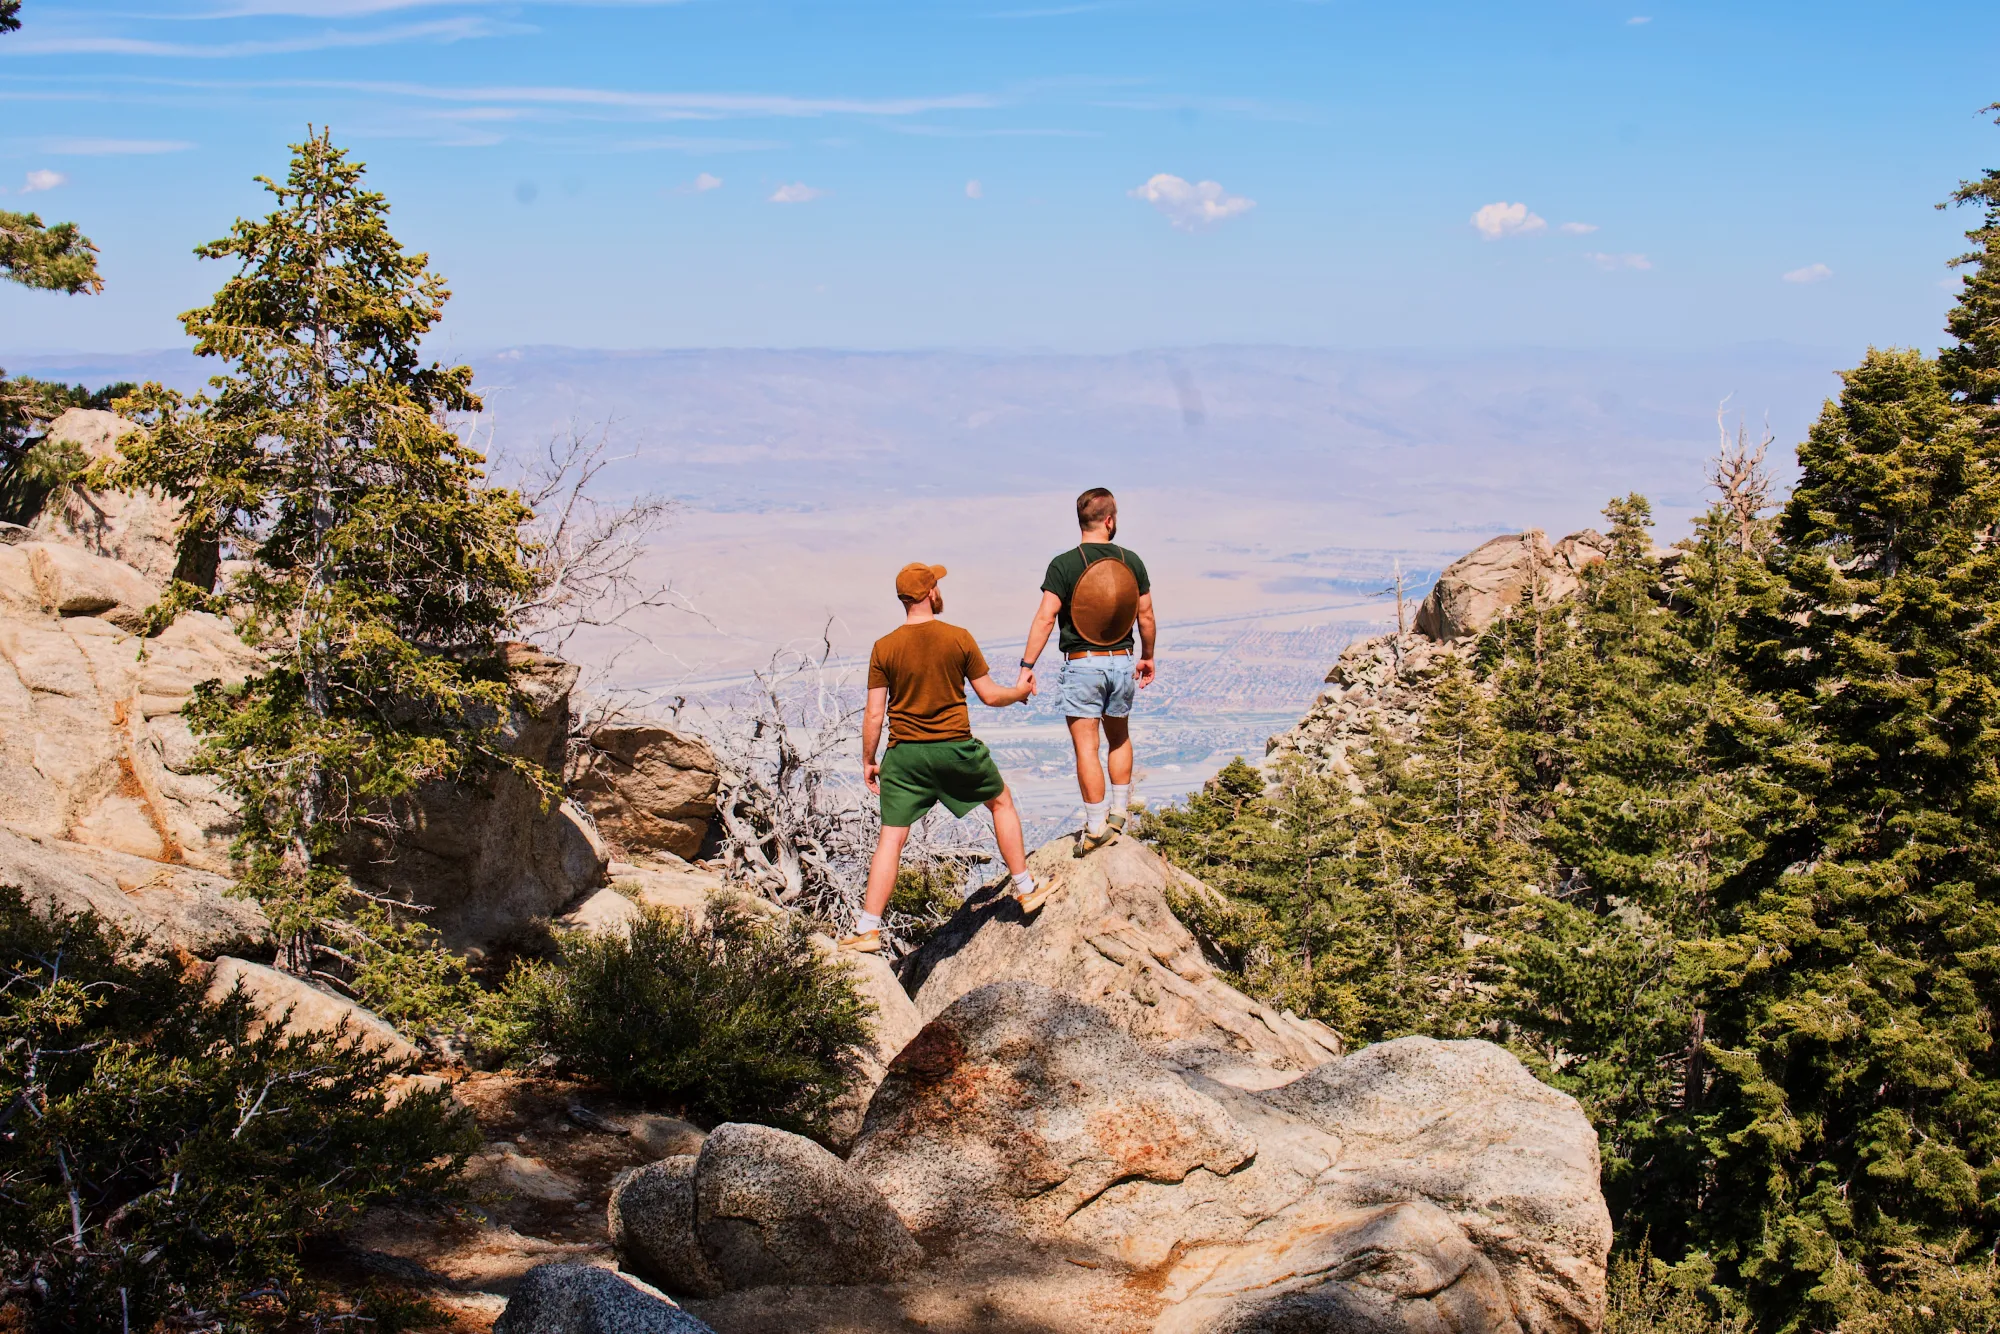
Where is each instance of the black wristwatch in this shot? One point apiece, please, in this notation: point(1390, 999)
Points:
point(1029, 665)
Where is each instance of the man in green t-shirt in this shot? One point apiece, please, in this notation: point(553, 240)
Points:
point(1098, 680)
point(917, 676)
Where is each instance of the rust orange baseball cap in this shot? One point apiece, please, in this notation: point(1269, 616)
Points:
point(916, 580)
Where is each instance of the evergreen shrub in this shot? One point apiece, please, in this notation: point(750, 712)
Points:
point(734, 1018)
point(162, 1162)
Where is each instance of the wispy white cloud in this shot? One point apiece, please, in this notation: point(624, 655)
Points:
point(43, 179)
point(440, 30)
point(1638, 19)
point(702, 184)
point(1577, 228)
point(1503, 219)
point(798, 192)
point(665, 106)
point(1619, 261)
point(1191, 206)
point(114, 147)
point(675, 143)
point(1003, 132)
point(974, 190)
point(1811, 273)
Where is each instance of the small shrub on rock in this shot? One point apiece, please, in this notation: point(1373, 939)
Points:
point(160, 1165)
point(733, 1019)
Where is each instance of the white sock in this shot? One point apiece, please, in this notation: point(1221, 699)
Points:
point(1093, 816)
point(867, 922)
point(1121, 798)
point(1024, 885)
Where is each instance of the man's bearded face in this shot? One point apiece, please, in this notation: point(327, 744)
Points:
point(937, 602)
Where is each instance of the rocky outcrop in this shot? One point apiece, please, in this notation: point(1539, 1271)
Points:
point(1415, 1185)
point(894, 1024)
point(1378, 685)
point(135, 529)
point(1384, 683)
point(1463, 1126)
point(648, 788)
point(95, 755)
point(582, 1299)
point(756, 1207)
point(1108, 937)
point(92, 746)
point(303, 1008)
point(1477, 588)
point(1018, 1107)
point(493, 862)
point(164, 909)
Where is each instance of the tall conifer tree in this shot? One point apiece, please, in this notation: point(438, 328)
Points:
point(1855, 1004)
point(383, 566)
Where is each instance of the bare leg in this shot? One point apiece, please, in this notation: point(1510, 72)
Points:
point(1118, 731)
point(1089, 771)
point(1007, 832)
point(888, 859)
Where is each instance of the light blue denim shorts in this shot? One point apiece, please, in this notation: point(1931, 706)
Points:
point(1097, 687)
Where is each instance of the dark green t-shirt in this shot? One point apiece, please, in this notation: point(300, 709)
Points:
point(1061, 579)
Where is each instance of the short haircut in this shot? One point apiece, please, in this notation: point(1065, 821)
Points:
point(1094, 506)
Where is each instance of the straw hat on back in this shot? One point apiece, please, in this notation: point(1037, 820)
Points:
point(1105, 601)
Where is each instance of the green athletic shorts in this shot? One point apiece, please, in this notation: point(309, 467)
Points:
point(916, 775)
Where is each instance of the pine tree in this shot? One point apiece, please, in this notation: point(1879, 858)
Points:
point(1859, 1107)
point(383, 569)
point(1971, 367)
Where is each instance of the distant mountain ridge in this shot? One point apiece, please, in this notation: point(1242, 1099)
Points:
point(1410, 430)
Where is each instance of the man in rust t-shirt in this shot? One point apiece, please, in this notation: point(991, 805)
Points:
point(916, 681)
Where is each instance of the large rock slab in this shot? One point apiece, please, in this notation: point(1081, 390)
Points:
point(1464, 1126)
point(756, 1207)
point(494, 861)
point(74, 582)
point(304, 1008)
point(1019, 1106)
point(1492, 579)
point(582, 1299)
point(134, 528)
point(1397, 1269)
point(895, 1025)
point(92, 747)
point(1107, 936)
point(649, 788)
point(167, 909)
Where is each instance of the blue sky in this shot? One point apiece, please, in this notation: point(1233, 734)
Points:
point(725, 172)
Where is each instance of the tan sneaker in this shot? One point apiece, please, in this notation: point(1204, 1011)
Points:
point(864, 942)
point(1117, 821)
point(1087, 842)
point(1032, 903)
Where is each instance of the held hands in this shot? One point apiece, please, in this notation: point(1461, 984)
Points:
point(871, 776)
point(1143, 672)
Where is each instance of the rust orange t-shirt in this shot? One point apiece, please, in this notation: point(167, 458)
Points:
point(925, 666)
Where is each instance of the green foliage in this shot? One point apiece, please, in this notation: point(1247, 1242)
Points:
point(10, 15)
point(1644, 1295)
point(1852, 1005)
point(385, 570)
point(32, 468)
point(924, 898)
point(55, 257)
point(1971, 367)
point(1376, 914)
point(1755, 788)
point(744, 1018)
point(161, 1161)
